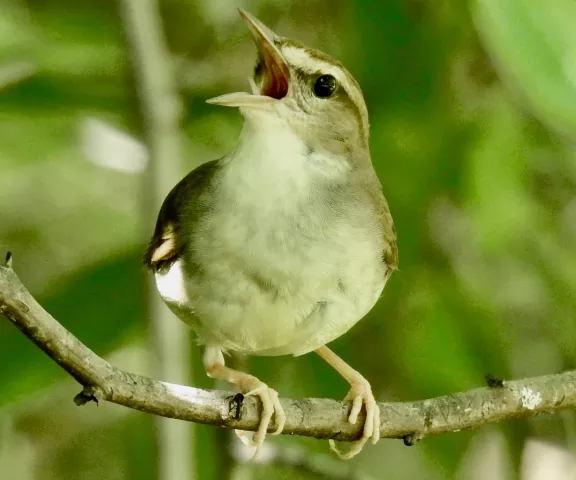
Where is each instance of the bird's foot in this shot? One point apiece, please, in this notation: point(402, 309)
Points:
point(270, 407)
point(361, 394)
point(213, 360)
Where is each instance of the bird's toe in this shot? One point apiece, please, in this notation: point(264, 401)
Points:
point(361, 394)
point(271, 407)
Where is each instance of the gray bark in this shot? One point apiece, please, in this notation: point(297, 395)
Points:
point(311, 417)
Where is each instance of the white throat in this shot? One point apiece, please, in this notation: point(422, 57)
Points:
point(271, 163)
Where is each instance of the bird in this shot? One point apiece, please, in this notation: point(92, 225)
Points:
point(285, 243)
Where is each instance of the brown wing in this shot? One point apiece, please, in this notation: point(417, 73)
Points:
point(390, 250)
point(180, 209)
point(390, 247)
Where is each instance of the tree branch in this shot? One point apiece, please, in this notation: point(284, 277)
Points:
point(311, 417)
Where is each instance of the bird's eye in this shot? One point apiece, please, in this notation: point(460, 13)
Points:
point(325, 86)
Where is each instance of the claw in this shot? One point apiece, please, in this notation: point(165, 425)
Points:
point(244, 438)
point(361, 394)
point(270, 407)
point(213, 360)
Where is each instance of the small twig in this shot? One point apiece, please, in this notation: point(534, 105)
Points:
point(8, 262)
point(312, 417)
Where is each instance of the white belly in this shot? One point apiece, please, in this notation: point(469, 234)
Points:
point(230, 310)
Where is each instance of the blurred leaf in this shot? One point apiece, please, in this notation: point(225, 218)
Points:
point(532, 44)
point(431, 330)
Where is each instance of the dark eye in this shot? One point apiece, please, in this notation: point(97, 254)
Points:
point(325, 86)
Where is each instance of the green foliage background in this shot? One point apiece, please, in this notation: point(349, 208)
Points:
point(473, 113)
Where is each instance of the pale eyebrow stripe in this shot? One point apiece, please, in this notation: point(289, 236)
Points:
point(307, 62)
point(312, 62)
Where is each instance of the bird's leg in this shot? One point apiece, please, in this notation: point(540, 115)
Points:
point(249, 385)
point(360, 394)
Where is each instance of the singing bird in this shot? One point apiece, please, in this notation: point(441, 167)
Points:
point(285, 243)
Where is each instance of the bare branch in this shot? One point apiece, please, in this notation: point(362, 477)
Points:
point(312, 417)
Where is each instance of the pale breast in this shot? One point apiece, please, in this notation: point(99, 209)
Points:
point(284, 262)
point(272, 282)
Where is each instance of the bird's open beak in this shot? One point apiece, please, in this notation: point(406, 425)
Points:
point(275, 72)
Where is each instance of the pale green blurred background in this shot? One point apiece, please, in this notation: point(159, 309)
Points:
point(473, 115)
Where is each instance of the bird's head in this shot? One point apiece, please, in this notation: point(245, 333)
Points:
point(306, 89)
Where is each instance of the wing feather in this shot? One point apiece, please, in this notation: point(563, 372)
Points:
point(182, 206)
